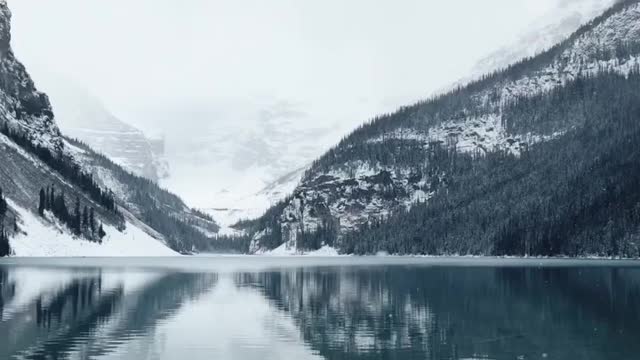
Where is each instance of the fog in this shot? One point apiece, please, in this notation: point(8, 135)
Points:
point(217, 77)
point(141, 56)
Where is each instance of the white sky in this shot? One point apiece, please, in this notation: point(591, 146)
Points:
point(145, 58)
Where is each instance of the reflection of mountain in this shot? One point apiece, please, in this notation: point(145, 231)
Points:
point(94, 314)
point(444, 313)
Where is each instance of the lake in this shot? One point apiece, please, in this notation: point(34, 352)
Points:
point(318, 308)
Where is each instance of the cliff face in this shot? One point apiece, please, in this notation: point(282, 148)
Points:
point(22, 106)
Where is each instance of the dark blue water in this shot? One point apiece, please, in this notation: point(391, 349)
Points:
point(302, 308)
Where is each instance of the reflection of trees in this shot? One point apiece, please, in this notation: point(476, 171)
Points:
point(143, 310)
point(85, 317)
point(454, 313)
point(7, 290)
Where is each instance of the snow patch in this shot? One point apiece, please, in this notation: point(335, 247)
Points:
point(42, 240)
point(287, 250)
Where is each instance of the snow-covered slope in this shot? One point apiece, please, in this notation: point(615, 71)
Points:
point(244, 207)
point(376, 171)
point(41, 239)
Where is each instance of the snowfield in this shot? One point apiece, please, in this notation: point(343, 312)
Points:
point(43, 240)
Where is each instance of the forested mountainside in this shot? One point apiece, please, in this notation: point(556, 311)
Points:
point(538, 159)
point(60, 197)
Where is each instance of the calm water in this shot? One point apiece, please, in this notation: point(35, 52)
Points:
point(342, 308)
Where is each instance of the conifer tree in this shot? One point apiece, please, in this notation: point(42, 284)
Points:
point(85, 218)
point(77, 218)
point(101, 233)
point(3, 206)
point(42, 205)
point(92, 222)
point(52, 197)
point(5, 249)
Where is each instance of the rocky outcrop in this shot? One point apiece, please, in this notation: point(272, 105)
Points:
point(22, 107)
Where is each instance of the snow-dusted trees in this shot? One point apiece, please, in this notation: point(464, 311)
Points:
point(3, 206)
point(80, 222)
point(5, 249)
point(42, 203)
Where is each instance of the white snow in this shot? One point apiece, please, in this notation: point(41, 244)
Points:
point(42, 240)
point(287, 250)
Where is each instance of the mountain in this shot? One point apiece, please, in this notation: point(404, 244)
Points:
point(236, 159)
point(59, 197)
point(82, 116)
point(537, 159)
point(550, 29)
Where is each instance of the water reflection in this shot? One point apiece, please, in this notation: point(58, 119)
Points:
point(88, 314)
point(461, 313)
point(336, 312)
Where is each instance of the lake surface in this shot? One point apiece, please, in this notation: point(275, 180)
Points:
point(312, 308)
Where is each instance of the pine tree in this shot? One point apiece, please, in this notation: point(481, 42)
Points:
point(101, 233)
point(77, 220)
point(3, 206)
point(92, 222)
point(85, 218)
point(52, 197)
point(42, 205)
point(5, 248)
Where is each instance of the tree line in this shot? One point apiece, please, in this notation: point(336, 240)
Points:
point(81, 221)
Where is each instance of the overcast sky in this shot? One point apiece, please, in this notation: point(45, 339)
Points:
point(346, 57)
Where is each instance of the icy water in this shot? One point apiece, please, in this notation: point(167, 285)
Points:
point(313, 308)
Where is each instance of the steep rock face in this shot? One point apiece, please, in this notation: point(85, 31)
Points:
point(388, 165)
point(82, 116)
point(22, 106)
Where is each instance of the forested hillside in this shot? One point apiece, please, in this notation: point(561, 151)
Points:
point(536, 159)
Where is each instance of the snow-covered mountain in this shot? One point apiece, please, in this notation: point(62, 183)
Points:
point(130, 215)
point(242, 161)
point(403, 159)
point(82, 116)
